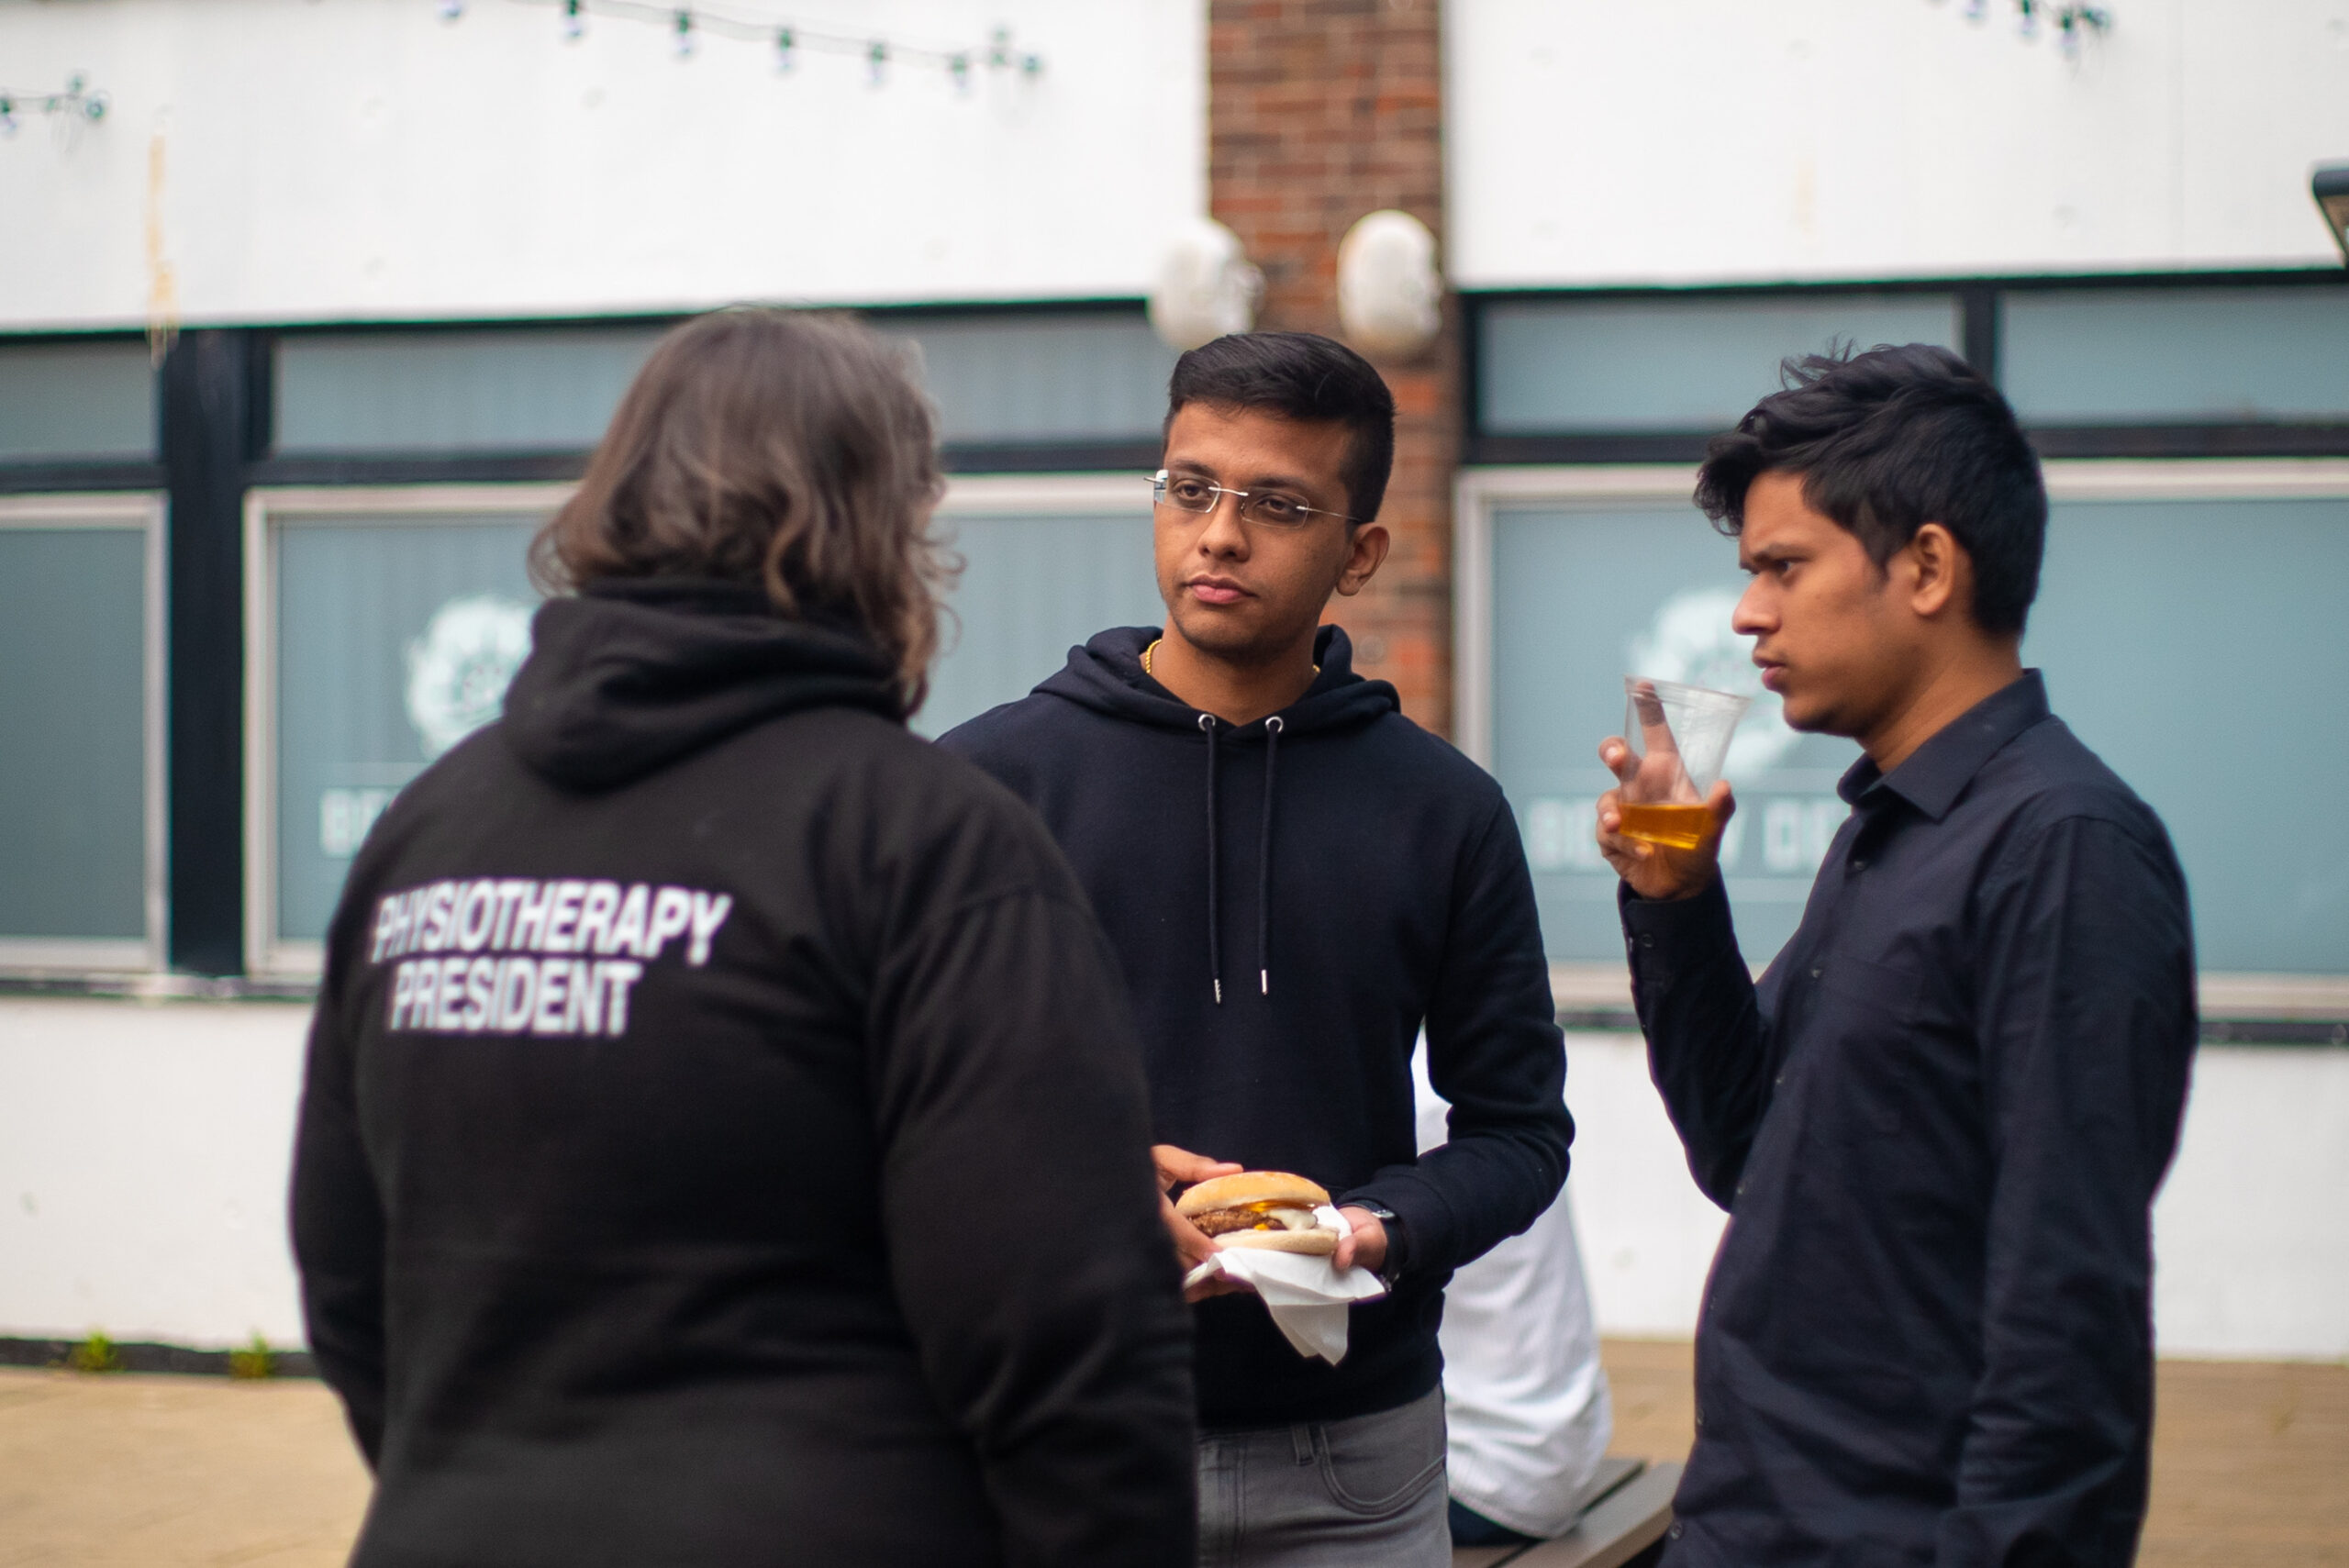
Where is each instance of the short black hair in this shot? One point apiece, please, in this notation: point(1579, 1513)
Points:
point(1298, 376)
point(1886, 442)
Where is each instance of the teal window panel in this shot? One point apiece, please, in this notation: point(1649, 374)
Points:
point(1632, 365)
point(1042, 377)
point(2197, 647)
point(1033, 587)
point(1581, 597)
point(64, 401)
point(453, 392)
point(73, 733)
point(395, 638)
point(1013, 378)
point(2175, 356)
point(2191, 643)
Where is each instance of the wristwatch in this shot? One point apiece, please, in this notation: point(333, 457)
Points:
point(1392, 1269)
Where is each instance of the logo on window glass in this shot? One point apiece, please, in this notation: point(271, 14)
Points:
point(1690, 641)
point(459, 670)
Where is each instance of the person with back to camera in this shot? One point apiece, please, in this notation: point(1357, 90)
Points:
point(724, 1139)
point(1937, 1122)
point(1294, 876)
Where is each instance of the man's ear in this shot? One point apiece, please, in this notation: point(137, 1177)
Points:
point(1364, 552)
point(1940, 574)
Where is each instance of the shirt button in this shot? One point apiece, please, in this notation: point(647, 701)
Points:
point(1647, 938)
point(1859, 865)
point(1675, 1531)
point(1814, 974)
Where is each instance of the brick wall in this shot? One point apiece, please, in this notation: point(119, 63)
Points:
point(1319, 111)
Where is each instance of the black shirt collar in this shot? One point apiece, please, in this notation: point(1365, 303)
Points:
point(1937, 773)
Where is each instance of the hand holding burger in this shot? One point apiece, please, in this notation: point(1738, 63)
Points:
point(1271, 1210)
point(1365, 1248)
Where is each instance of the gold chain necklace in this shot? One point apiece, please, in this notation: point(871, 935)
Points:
point(1145, 657)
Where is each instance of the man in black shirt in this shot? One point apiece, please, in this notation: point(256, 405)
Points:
point(1939, 1119)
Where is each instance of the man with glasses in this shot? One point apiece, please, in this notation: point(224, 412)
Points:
point(1296, 879)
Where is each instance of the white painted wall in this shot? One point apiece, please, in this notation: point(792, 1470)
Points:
point(328, 160)
point(1592, 142)
point(143, 1155)
point(143, 1158)
point(2251, 1231)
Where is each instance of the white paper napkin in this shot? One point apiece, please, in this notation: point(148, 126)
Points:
point(1306, 1298)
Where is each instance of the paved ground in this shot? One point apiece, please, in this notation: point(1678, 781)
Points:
point(2251, 1465)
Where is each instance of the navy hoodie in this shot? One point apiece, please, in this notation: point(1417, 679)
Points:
point(723, 1140)
point(1292, 900)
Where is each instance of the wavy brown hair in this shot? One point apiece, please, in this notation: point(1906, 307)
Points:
point(790, 450)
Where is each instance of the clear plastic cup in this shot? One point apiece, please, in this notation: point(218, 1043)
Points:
point(1680, 737)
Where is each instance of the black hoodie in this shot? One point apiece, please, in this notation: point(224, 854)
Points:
point(1291, 900)
point(723, 1140)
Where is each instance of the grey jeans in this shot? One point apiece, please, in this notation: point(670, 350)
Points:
point(1367, 1492)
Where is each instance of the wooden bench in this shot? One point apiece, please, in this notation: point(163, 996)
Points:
point(1632, 1510)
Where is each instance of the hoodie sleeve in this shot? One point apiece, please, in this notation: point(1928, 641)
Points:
point(338, 1214)
point(1496, 1053)
point(1022, 1221)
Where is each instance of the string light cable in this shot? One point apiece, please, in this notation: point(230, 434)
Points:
point(686, 24)
point(2072, 19)
point(77, 102)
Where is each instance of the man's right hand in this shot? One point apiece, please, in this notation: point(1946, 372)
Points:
point(1652, 870)
point(1180, 1167)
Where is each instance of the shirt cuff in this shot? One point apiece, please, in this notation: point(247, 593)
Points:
point(1660, 935)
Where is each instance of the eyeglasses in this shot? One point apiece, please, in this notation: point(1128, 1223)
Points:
point(1266, 509)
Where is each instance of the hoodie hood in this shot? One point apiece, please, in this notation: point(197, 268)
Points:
point(634, 674)
point(1106, 676)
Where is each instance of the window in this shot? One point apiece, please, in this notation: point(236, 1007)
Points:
point(1582, 577)
point(77, 401)
point(1049, 562)
point(1050, 377)
point(2171, 356)
point(81, 732)
point(2187, 624)
point(383, 628)
point(1671, 364)
point(548, 389)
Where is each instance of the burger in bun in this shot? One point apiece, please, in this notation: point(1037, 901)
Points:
point(1260, 1208)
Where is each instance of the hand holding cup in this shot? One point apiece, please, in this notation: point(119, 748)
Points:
point(1660, 826)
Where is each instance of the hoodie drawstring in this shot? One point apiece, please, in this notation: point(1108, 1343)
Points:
point(1215, 937)
point(1273, 728)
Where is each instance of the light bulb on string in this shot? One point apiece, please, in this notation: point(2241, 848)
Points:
point(685, 33)
point(573, 25)
point(960, 68)
point(999, 48)
point(2027, 18)
point(1031, 65)
point(7, 117)
point(782, 47)
point(1978, 10)
point(877, 57)
point(451, 9)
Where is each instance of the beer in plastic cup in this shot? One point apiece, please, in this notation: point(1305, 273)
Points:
point(1680, 736)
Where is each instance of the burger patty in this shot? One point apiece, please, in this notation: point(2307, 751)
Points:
point(1224, 1221)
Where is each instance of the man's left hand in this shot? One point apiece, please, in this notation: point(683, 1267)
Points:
point(1365, 1248)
